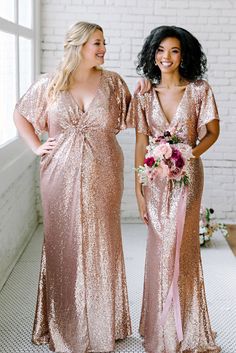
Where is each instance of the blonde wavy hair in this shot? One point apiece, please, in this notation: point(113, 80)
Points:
point(77, 35)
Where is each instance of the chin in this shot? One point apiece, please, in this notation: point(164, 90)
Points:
point(170, 70)
point(100, 62)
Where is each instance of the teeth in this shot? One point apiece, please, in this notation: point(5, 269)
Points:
point(166, 64)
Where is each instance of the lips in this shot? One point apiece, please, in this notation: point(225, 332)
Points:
point(166, 63)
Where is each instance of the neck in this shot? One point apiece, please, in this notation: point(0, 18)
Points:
point(171, 80)
point(82, 74)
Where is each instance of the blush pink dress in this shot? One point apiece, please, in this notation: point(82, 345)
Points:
point(195, 110)
point(82, 303)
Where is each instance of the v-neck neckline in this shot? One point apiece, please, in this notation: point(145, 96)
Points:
point(169, 123)
point(93, 99)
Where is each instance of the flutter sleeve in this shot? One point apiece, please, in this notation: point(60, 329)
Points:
point(123, 100)
point(137, 115)
point(208, 109)
point(33, 104)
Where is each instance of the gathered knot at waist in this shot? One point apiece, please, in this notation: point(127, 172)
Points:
point(76, 129)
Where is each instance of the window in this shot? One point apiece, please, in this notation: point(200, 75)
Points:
point(17, 59)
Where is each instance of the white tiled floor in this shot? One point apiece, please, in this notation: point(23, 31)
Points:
point(17, 299)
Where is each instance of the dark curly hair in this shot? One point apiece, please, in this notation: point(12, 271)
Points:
point(194, 61)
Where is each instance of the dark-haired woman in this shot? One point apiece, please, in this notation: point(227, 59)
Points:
point(174, 314)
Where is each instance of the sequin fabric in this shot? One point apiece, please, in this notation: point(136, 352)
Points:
point(82, 303)
point(196, 109)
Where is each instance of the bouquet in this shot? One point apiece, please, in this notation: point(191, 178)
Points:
point(208, 226)
point(167, 157)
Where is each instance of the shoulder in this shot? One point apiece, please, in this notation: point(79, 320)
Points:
point(113, 76)
point(201, 85)
point(43, 80)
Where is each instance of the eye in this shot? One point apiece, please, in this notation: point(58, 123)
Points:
point(176, 51)
point(159, 50)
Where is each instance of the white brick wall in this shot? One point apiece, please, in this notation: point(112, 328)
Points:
point(126, 24)
point(18, 219)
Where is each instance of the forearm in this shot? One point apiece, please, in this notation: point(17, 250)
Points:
point(205, 144)
point(140, 151)
point(26, 131)
point(138, 186)
point(213, 130)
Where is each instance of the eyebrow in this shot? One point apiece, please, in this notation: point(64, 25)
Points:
point(160, 46)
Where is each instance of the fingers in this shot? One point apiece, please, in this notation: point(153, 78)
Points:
point(140, 86)
point(49, 146)
point(143, 87)
point(45, 150)
point(142, 209)
point(46, 147)
point(51, 141)
point(137, 88)
point(145, 218)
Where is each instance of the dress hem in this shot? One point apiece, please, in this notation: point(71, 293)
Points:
point(46, 341)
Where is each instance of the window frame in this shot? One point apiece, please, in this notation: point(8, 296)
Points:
point(15, 155)
point(33, 34)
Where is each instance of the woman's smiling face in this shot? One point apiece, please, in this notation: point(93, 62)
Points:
point(168, 55)
point(93, 51)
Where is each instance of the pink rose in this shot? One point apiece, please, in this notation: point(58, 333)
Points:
point(163, 150)
point(163, 170)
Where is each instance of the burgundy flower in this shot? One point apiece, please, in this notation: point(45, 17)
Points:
point(179, 162)
point(176, 154)
point(167, 133)
point(149, 161)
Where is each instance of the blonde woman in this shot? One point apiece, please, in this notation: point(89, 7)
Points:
point(82, 301)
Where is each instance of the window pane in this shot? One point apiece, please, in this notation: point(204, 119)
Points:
point(7, 9)
point(25, 13)
point(25, 56)
point(7, 86)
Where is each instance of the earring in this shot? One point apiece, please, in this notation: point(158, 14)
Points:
point(155, 63)
point(182, 64)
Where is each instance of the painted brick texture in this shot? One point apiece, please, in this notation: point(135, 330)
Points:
point(19, 219)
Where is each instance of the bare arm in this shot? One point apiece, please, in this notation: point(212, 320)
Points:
point(140, 151)
point(27, 132)
point(213, 130)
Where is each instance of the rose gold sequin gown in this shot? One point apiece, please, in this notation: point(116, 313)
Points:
point(82, 298)
point(196, 109)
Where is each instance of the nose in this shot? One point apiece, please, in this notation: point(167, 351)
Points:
point(103, 48)
point(166, 54)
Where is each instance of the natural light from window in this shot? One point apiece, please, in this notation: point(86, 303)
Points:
point(7, 9)
point(17, 45)
point(7, 85)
